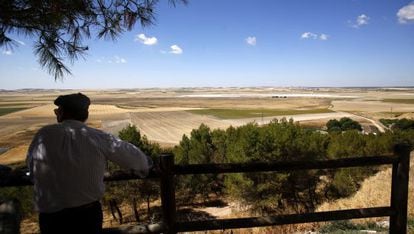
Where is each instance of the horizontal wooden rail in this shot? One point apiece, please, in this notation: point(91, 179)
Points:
point(283, 166)
point(20, 177)
point(284, 219)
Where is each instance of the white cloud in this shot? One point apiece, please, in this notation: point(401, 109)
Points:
point(360, 21)
point(114, 59)
point(175, 49)
point(146, 40)
point(309, 35)
point(406, 14)
point(7, 52)
point(314, 36)
point(251, 41)
point(119, 59)
point(323, 37)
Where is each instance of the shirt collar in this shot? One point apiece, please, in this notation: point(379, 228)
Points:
point(73, 122)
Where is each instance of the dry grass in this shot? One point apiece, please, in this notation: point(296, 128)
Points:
point(14, 155)
point(370, 106)
point(375, 191)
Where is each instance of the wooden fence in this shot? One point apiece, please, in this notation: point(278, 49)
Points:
point(397, 211)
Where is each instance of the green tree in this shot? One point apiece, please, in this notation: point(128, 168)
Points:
point(403, 124)
point(345, 182)
point(23, 194)
point(276, 141)
point(59, 27)
point(281, 140)
point(198, 149)
point(131, 135)
point(344, 124)
point(333, 125)
point(349, 124)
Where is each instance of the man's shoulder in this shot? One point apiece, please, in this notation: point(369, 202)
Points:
point(50, 127)
point(96, 131)
point(63, 127)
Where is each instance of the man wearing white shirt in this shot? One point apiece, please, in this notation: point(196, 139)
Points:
point(67, 162)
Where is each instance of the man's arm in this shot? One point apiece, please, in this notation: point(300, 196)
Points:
point(128, 156)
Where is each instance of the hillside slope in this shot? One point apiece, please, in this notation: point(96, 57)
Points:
point(375, 191)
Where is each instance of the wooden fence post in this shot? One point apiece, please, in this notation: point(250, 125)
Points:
point(168, 192)
point(399, 189)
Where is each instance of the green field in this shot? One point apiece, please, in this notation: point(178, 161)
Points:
point(402, 101)
point(5, 111)
point(251, 113)
point(13, 104)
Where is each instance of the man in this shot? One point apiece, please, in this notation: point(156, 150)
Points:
point(67, 161)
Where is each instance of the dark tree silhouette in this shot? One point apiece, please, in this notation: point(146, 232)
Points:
point(60, 26)
point(344, 124)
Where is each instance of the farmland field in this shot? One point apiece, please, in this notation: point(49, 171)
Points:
point(250, 113)
point(404, 101)
point(164, 115)
point(8, 110)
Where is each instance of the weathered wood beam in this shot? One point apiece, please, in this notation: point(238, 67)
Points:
point(284, 219)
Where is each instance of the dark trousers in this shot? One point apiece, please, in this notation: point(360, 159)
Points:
point(83, 219)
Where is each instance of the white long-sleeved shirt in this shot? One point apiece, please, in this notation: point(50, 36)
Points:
point(67, 162)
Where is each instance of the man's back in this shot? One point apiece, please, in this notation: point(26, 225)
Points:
point(67, 163)
point(68, 160)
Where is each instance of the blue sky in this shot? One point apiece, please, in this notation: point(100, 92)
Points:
point(242, 43)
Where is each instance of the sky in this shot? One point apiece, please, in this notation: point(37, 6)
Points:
point(238, 43)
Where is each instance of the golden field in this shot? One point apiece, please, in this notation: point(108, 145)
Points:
point(164, 115)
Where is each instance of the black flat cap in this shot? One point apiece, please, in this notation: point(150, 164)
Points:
point(73, 102)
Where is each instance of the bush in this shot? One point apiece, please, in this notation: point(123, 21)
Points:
point(23, 194)
point(344, 124)
point(398, 124)
point(403, 124)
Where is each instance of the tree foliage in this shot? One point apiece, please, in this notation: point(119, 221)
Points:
point(201, 144)
point(399, 124)
point(344, 124)
point(281, 140)
point(403, 124)
point(23, 194)
point(60, 26)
